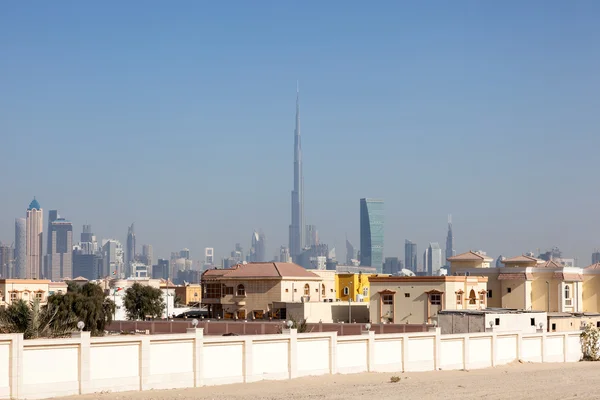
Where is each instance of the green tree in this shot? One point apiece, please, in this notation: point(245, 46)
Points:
point(86, 303)
point(143, 301)
point(35, 321)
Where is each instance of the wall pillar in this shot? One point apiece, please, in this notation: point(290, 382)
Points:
point(544, 347)
point(437, 348)
point(248, 373)
point(84, 360)
point(144, 362)
point(370, 351)
point(293, 354)
point(565, 347)
point(198, 359)
point(519, 346)
point(333, 353)
point(466, 344)
point(16, 365)
point(404, 352)
point(494, 347)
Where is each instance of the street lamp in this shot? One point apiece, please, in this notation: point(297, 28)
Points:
point(80, 326)
point(194, 322)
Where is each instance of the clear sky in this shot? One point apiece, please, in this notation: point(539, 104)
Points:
point(179, 116)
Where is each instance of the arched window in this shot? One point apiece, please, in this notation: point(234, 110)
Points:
point(567, 292)
point(346, 291)
point(322, 289)
point(472, 297)
point(241, 290)
point(306, 290)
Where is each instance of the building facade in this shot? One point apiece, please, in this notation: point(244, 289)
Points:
point(433, 259)
point(371, 233)
point(59, 261)
point(418, 299)
point(249, 290)
point(34, 240)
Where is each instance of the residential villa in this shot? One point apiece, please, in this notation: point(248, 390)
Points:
point(418, 299)
point(249, 290)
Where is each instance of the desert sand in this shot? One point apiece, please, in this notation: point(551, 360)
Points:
point(516, 381)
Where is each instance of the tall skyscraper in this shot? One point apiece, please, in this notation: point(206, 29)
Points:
point(20, 248)
point(350, 252)
point(297, 227)
point(449, 242)
point(147, 255)
point(312, 236)
point(596, 257)
point(209, 256)
point(52, 216)
point(258, 248)
point(392, 266)
point(34, 240)
point(371, 233)
point(7, 253)
point(284, 254)
point(410, 256)
point(60, 254)
point(112, 254)
point(130, 251)
point(434, 259)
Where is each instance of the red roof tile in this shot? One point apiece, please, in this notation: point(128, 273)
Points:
point(519, 276)
point(261, 270)
point(468, 256)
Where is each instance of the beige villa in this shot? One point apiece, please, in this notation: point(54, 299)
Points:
point(529, 283)
point(249, 290)
point(418, 299)
point(24, 289)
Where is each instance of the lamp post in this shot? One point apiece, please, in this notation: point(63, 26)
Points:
point(350, 294)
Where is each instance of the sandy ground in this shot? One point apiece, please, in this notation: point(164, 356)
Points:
point(516, 381)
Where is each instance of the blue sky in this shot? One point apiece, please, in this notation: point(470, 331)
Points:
point(180, 117)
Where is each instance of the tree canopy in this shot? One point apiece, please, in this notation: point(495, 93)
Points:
point(85, 303)
point(143, 301)
point(35, 320)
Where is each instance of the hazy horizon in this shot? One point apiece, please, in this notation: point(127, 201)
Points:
point(180, 118)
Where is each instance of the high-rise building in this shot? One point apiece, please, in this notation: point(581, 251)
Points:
point(130, 250)
point(112, 254)
point(312, 236)
point(596, 257)
point(88, 243)
point(433, 259)
point(147, 255)
point(161, 270)
point(59, 263)
point(297, 238)
point(87, 265)
point(184, 253)
point(371, 233)
point(7, 253)
point(449, 242)
point(258, 248)
point(350, 252)
point(52, 216)
point(34, 240)
point(209, 256)
point(284, 255)
point(410, 256)
point(20, 248)
point(392, 266)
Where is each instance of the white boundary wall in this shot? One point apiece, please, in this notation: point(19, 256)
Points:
point(42, 368)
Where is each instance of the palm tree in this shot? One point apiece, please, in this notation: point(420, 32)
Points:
point(35, 321)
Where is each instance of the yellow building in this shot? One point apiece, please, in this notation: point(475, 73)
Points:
point(355, 286)
point(529, 283)
point(418, 299)
point(190, 294)
point(28, 290)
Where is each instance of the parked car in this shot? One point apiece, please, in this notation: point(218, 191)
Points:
point(193, 314)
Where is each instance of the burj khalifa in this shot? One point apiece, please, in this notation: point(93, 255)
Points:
point(297, 226)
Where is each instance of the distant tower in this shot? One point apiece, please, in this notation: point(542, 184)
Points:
point(209, 256)
point(130, 250)
point(20, 248)
point(350, 252)
point(60, 254)
point(449, 242)
point(434, 259)
point(410, 256)
point(297, 238)
point(147, 255)
point(52, 216)
point(34, 240)
point(312, 236)
point(371, 233)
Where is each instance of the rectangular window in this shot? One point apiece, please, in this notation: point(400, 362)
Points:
point(435, 299)
point(213, 291)
point(598, 324)
point(489, 294)
point(388, 299)
point(482, 297)
point(459, 299)
point(553, 327)
point(532, 321)
point(38, 296)
point(406, 294)
point(346, 291)
point(13, 296)
point(508, 290)
point(228, 290)
point(497, 321)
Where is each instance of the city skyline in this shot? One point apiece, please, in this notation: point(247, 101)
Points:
point(437, 93)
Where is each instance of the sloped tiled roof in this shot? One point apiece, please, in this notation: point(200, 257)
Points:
point(519, 276)
point(262, 270)
point(468, 256)
point(568, 276)
point(549, 264)
point(80, 279)
point(593, 266)
point(520, 259)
